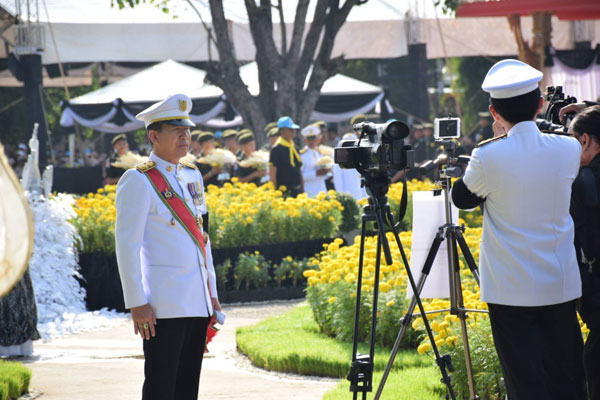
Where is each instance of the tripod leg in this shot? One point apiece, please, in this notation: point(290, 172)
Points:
point(462, 315)
point(354, 377)
point(442, 362)
point(411, 308)
point(464, 248)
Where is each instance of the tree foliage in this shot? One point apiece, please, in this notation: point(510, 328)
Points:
point(290, 75)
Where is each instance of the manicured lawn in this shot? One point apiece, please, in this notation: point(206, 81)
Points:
point(407, 384)
point(14, 380)
point(292, 343)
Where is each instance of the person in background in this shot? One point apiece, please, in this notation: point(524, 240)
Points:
point(230, 140)
point(284, 160)
point(248, 174)
point(322, 125)
point(313, 175)
point(272, 136)
point(529, 274)
point(332, 134)
point(210, 174)
point(585, 210)
point(348, 180)
point(120, 147)
point(196, 148)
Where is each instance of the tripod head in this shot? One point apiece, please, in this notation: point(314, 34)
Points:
point(449, 164)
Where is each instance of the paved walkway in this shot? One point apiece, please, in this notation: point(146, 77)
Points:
point(109, 365)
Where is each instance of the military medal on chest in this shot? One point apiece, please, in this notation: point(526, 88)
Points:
point(195, 192)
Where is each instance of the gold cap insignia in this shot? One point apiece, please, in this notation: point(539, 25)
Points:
point(182, 105)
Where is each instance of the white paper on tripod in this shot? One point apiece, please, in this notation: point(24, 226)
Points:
point(429, 214)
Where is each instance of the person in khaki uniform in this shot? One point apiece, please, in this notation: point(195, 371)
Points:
point(164, 255)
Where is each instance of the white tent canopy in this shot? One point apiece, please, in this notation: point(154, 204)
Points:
point(93, 31)
point(113, 108)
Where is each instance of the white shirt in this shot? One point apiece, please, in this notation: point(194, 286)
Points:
point(527, 257)
point(158, 261)
point(313, 183)
point(348, 181)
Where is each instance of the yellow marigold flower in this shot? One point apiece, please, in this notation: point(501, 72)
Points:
point(313, 281)
point(440, 342)
point(309, 272)
point(424, 348)
point(283, 188)
point(331, 218)
point(350, 278)
point(249, 220)
point(417, 324)
point(435, 325)
point(390, 303)
point(384, 287)
point(331, 300)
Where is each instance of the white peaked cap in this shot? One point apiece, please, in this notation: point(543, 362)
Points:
point(511, 78)
point(174, 110)
point(310, 131)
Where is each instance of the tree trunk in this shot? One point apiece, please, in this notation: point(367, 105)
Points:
point(533, 54)
point(282, 72)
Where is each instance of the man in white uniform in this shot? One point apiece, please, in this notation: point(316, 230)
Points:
point(164, 257)
point(348, 180)
point(313, 174)
point(529, 273)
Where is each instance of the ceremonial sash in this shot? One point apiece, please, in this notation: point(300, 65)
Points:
point(178, 207)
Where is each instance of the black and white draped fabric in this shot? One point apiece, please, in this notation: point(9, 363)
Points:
point(577, 71)
point(118, 117)
point(112, 109)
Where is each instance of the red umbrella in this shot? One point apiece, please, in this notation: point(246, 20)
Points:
point(563, 9)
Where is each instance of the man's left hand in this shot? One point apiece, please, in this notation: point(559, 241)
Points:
point(216, 305)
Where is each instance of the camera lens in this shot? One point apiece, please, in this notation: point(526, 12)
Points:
point(395, 130)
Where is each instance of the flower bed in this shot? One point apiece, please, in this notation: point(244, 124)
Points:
point(332, 292)
point(241, 214)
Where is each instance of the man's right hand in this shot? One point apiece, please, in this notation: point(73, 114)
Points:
point(570, 108)
point(143, 315)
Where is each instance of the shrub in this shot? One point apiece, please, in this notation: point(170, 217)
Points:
point(351, 213)
point(251, 269)
point(222, 270)
point(486, 367)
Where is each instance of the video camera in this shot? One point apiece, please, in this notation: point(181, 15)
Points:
point(551, 122)
point(379, 148)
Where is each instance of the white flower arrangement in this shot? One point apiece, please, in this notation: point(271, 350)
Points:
point(259, 160)
point(219, 157)
point(129, 160)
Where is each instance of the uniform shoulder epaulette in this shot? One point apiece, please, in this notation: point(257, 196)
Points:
point(487, 141)
point(303, 150)
point(188, 165)
point(145, 166)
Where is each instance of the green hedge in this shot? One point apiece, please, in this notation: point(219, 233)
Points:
point(14, 380)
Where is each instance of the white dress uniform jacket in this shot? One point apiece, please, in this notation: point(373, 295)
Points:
point(313, 184)
point(348, 181)
point(158, 261)
point(527, 257)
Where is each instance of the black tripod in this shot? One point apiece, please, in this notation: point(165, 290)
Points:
point(453, 233)
point(378, 210)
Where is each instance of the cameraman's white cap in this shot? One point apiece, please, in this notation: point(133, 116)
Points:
point(310, 131)
point(511, 78)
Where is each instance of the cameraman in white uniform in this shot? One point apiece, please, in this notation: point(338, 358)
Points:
point(529, 273)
